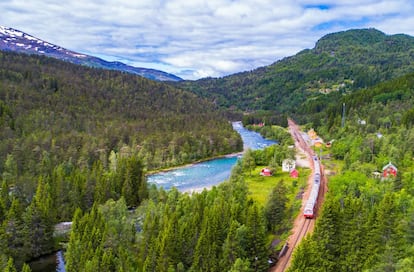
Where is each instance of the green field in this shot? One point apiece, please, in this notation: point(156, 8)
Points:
point(260, 187)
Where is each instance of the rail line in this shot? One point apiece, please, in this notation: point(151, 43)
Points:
point(302, 232)
point(304, 222)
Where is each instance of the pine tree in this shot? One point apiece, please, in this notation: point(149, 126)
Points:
point(4, 200)
point(108, 262)
point(4, 197)
point(256, 244)
point(326, 235)
point(134, 188)
point(148, 234)
point(39, 220)
point(150, 261)
point(10, 170)
point(307, 257)
point(231, 248)
point(208, 247)
point(240, 265)
point(166, 242)
point(74, 250)
point(352, 225)
point(26, 268)
point(189, 226)
point(3, 258)
point(103, 190)
point(275, 209)
point(12, 234)
point(248, 161)
point(10, 266)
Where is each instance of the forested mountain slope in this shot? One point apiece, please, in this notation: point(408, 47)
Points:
point(339, 62)
point(81, 114)
point(72, 137)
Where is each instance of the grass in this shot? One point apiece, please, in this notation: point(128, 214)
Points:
point(260, 187)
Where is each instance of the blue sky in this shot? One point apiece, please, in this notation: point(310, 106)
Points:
point(197, 38)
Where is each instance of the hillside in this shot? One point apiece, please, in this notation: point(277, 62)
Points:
point(18, 41)
point(82, 114)
point(339, 63)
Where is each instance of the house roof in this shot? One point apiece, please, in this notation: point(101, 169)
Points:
point(288, 161)
point(389, 165)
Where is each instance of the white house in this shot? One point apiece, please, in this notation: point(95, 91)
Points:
point(288, 165)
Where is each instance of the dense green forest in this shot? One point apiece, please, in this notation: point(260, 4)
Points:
point(339, 63)
point(72, 136)
point(82, 114)
point(222, 229)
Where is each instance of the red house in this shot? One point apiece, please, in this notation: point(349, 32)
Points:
point(266, 172)
point(389, 170)
point(294, 173)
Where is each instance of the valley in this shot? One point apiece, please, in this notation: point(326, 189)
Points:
point(76, 144)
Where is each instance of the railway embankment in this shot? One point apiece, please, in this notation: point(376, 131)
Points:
point(302, 226)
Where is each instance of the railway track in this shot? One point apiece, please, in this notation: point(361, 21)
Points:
point(302, 232)
point(302, 225)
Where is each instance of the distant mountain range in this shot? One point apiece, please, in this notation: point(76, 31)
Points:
point(18, 41)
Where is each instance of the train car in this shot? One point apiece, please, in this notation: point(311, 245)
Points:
point(310, 205)
point(309, 210)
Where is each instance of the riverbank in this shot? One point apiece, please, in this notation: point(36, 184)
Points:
point(206, 173)
point(251, 140)
point(172, 168)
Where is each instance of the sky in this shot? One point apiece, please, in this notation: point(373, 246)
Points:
point(196, 38)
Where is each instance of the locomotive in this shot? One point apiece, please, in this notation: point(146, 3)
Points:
point(310, 205)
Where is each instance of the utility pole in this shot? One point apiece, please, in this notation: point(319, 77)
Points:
point(343, 115)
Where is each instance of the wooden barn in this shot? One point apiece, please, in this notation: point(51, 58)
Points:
point(389, 170)
point(294, 173)
point(266, 172)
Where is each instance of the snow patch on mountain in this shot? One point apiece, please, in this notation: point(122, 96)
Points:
point(18, 41)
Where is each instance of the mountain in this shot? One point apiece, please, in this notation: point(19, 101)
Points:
point(338, 64)
point(86, 111)
point(18, 41)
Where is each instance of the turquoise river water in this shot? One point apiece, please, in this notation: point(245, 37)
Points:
point(206, 174)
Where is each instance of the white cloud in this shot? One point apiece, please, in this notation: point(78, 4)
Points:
point(199, 38)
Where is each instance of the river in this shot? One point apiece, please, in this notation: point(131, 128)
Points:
point(206, 174)
point(49, 263)
point(189, 178)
